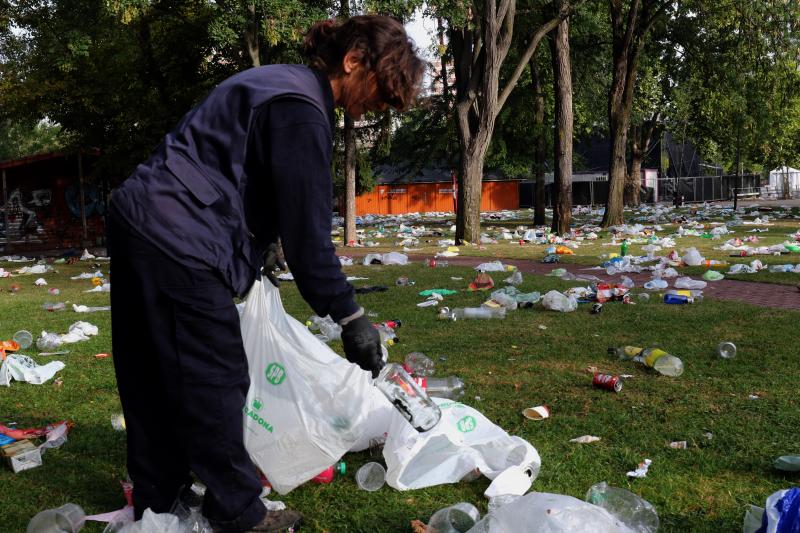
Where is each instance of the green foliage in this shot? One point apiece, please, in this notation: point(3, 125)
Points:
point(18, 139)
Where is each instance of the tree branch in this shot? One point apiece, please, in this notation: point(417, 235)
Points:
point(536, 38)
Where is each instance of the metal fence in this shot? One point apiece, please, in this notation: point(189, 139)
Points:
point(706, 188)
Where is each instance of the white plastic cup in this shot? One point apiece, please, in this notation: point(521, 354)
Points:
point(69, 518)
point(371, 477)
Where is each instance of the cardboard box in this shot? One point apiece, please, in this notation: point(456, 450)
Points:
point(22, 455)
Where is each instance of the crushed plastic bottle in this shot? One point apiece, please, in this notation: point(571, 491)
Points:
point(408, 398)
point(49, 306)
point(663, 362)
point(328, 329)
point(420, 365)
point(636, 513)
point(48, 341)
point(472, 312)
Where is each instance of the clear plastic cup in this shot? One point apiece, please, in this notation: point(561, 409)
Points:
point(726, 350)
point(458, 518)
point(371, 477)
point(69, 518)
point(23, 338)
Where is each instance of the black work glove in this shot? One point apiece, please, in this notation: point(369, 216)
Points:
point(362, 345)
point(273, 262)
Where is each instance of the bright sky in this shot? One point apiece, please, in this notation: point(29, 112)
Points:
point(423, 31)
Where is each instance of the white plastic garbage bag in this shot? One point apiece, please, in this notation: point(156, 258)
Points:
point(305, 407)
point(463, 440)
point(394, 258)
point(494, 266)
point(689, 283)
point(557, 301)
point(22, 368)
point(542, 512)
point(376, 427)
point(692, 257)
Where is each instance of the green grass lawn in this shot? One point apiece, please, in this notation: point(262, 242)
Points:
point(509, 364)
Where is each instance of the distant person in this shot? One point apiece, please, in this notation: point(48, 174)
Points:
point(191, 228)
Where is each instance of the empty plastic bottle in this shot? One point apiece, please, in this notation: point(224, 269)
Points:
point(419, 364)
point(450, 387)
point(477, 312)
point(328, 475)
point(663, 362)
point(677, 299)
point(408, 397)
point(636, 513)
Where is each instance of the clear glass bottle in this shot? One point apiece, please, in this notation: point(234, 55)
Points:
point(408, 397)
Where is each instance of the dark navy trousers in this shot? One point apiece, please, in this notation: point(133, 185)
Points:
point(182, 378)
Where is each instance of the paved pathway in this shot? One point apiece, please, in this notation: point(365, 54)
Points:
point(761, 294)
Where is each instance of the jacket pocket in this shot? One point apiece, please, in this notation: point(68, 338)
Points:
point(195, 180)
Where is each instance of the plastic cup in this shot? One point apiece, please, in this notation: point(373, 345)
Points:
point(458, 518)
point(726, 350)
point(68, 518)
point(23, 338)
point(371, 477)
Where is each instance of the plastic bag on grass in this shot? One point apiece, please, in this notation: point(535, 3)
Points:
point(463, 440)
point(556, 301)
point(542, 512)
point(304, 409)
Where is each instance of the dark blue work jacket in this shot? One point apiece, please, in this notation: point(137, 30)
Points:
point(249, 163)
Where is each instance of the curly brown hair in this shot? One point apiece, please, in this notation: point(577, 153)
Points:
point(385, 50)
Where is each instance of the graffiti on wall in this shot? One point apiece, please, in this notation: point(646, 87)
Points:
point(18, 221)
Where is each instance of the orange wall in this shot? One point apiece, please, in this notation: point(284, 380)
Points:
point(422, 197)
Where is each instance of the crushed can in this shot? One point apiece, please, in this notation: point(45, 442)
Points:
point(596, 308)
point(607, 381)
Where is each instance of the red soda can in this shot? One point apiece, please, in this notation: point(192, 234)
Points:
point(607, 381)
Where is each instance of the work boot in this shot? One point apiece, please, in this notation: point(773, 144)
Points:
point(285, 521)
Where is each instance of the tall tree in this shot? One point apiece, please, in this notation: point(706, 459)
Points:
point(539, 142)
point(631, 20)
point(480, 38)
point(562, 142)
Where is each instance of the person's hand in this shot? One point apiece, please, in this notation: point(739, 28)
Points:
point(362, 345)
point(273, 262)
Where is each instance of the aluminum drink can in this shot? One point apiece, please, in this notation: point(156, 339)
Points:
point(607, 381)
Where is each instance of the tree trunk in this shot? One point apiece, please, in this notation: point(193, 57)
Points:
point(628, 37)
point(349, 182)
point(479, 50)
point(350, 236)
point(251, 37)
point(640, 145)
point(469, 198)
point(540, 145)
point(634, 178)
point(562, 142)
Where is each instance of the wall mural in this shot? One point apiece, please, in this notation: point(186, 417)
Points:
point(23, 223)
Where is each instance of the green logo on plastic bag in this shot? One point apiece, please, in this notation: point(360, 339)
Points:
point(275, 373)
point(466, 424)
point(256, 417)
